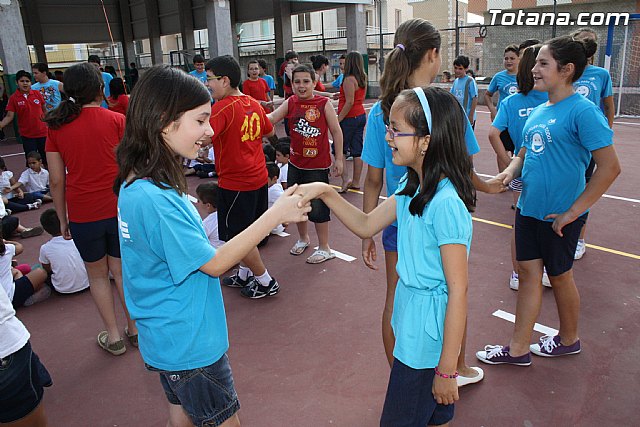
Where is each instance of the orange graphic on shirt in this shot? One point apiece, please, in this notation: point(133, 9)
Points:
point(312, 114)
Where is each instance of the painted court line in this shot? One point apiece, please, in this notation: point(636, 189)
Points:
point(282, 234)
point(341, 255)
point(505, 315)
point(608, 196)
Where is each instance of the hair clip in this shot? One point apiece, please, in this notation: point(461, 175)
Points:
point(400, 46)
point(73, 101)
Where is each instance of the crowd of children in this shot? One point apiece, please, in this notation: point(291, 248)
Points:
point(150, 239)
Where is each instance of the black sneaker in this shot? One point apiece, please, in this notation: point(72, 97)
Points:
point(256, 290)
point(235, 281)
point(202, 174)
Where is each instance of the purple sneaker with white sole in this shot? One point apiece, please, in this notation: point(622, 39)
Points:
point(552, 347)
point(499, 355)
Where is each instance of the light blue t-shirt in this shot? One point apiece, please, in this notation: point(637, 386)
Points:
point(458, 90)
point(338, 81)
point(200, 76)
point(106, 78)
point(595, 85)
point(559, 140)
point(178, 309)
point(504, 83)
point(270, 82)
point(514, 111)
point(421, 296)
point(50, 91)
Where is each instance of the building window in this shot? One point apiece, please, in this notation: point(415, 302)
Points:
point(304, 22)
point(398, 17)
point(371, 22)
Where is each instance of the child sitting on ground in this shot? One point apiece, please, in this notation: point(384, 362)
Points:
point(60, 258)
point(35, 179)
point(11, 225)
point(202, 166)
point(13, 196)
point(269, 152)
point(18, 287)
point(207, 195)
point(282, 159)
point(275, 190)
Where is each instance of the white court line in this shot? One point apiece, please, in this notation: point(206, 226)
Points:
point(537, 327)
point(627, 123)
point(608, 196)
point(341, 255)
point(282, 234)
point(13, 154)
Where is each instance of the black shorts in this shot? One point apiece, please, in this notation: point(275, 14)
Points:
point(353, 134)
point(507, 142)
point(237, 210)
point(23, 290)
point(22, 381)
point(589, 172)
point(96, 239)
point(319, 211)
point(536, 239)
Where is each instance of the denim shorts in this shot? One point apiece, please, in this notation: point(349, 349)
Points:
point(22, 381)
point(206, 394)
point(353, 134)
point(410, 400)
point(96, 239)
point(536, 239)
point(390, 238)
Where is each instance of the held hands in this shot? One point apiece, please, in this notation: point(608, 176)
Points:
point(445, 390)
point(291, 206)
point(497, 184)
point(369, 254)
point(311, 191)
point(560, 220)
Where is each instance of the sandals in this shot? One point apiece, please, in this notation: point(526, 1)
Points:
point(133, 339)
point(345, 187)
point(299, 248)
point(320, 256)
point(116, 348)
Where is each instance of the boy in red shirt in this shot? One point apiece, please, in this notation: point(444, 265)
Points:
point(29, 106)
point(309, 118)
point(256, 87)
point(239, 123)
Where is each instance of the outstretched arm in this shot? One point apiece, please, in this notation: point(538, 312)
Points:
point(279, 114)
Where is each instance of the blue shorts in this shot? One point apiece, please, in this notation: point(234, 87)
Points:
point(536, 239)
point(96, 239)
point(353, 134)
point(22, 381)
point(410, 401)
point(23, 290)
point(206, 394)
point(390, 238)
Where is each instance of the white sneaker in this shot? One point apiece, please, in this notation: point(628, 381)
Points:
point(514, 282)
point(580, 249)
point(545, 279)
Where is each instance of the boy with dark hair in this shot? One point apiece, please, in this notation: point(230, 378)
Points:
point(269, 152)
point(275, 190)
point(51, 90)
point(207, 195)
point(106, 78)
point(239, 124)
point(35, 179)
point(60, 258)
point(199, 73)
point(283, 153)
point(267, 78)
point(256, 87)
point(465, 89)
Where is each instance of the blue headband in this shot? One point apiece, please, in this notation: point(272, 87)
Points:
point(425, 106)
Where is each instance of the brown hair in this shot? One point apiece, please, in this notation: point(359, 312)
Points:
point(524, 77)
point(354, 66)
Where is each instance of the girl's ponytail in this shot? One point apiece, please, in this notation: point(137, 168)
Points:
point(66, 112)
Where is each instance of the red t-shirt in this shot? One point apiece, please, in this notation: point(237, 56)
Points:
point(358, 98)
point(288, 90)
point(88, 148)
point(238, 123)
point(319, 86)
point(257, 89)
point(309, 133)
point(120, 105)
point(29, 111)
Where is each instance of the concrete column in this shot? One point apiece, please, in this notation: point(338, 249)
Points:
point(185, 10)
point(153, 24)
point(13, 42)
point(128, 49)
point(35, 29)
point(356, 28)
point(219, 27)
point(282, 27)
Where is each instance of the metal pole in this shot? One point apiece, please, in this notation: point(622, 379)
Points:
point(458, 30)
point(622, 70)
point(553, 28)
point(381, 41)
point(324, 46)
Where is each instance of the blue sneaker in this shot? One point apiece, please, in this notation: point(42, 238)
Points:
point(499, 355)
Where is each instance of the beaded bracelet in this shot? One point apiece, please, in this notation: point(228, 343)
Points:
point(440, 374)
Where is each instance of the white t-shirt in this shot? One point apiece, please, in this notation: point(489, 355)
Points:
point(69, 274)
point(211, 228)
point(34, 181)
point(284, 173)
point(3, 211)
point(274, 192)
point(6, 278)
point(14, 334)
point(4, 182)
